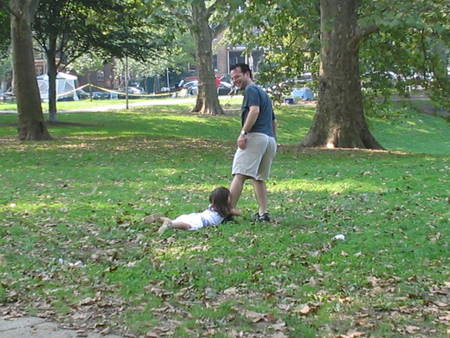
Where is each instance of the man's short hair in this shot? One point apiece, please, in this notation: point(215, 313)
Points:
point(244, 68)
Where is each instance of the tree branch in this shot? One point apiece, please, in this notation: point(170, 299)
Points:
point(362, 33)
point(224, 22)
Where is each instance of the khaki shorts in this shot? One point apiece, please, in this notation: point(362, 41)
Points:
point(256, 159)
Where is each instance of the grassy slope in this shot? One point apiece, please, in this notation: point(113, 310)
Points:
point(72, 240)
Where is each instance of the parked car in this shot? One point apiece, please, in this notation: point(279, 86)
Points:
point(135, 90)
point(192, 88)
point(101, 95)
point(224, 88)
point(82, 95)
point(70, 97)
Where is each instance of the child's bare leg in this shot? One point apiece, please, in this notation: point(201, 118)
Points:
point(169, 224)
point(176, 224)
point(181, 225)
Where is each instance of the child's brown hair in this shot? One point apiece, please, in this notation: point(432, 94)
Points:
point(220, 201)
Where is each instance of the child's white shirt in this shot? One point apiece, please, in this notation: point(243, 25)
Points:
point(198, 220)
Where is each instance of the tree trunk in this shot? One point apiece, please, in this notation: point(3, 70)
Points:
point(52, 73)
point(207, 98)
point(31, 119)
point(339, 121)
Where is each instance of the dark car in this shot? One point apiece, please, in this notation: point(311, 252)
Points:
point(82, 95)
point(101, 95)
point(223, 89)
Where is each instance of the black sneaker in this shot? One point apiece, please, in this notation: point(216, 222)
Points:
point(227, 219)
point(261, 218)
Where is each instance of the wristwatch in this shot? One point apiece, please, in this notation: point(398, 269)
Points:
point(243, 132)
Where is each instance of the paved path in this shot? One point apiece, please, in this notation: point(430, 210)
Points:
point(33, 327)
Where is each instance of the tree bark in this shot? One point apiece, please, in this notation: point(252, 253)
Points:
point(207, 98)
point(31, 119)
point(339, 121)
point(52, 72)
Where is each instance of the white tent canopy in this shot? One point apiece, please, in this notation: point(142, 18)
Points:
point(64, 83)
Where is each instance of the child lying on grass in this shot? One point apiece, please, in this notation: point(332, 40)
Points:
point(219, 209)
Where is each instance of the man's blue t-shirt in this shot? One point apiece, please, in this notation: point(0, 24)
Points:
point(255, 96)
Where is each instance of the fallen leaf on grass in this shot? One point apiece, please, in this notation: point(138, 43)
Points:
point(230, 291)
point(352, 334)
point(445, 319)
point(87, 301)
point(280, 326)
point(256, 317)
point(412, 329)
point(440, 304)
point(306, 309)
point(303, 310)
point(372, 280)
point(152, 334)
point(158, 292)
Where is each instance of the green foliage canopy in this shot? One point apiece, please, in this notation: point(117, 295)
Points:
point(4, 31)
point(111, 28)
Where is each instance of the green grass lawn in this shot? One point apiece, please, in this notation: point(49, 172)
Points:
point(73, 246)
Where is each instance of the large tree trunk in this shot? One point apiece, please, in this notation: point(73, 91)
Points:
point(52, 72)
point(31, 119)
point(339, 121)
point(207, 98)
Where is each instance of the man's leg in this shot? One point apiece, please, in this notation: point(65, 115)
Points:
point(261, 196)
point(236, 188)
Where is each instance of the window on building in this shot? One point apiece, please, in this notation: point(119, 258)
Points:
point(236, 57)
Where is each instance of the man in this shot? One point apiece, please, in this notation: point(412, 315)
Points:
point(256, 142)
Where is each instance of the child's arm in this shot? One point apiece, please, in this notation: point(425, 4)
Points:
point(235, 212)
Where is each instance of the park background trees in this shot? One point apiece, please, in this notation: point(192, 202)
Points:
point(205, 20)
point(67, 30)
point(358, 39)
